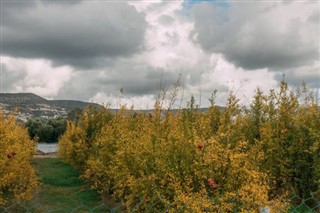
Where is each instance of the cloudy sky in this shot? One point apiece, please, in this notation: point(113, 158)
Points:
point(89, 50)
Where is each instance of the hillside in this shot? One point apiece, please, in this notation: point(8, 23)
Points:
point(28, 105)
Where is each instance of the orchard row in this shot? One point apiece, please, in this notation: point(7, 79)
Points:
point(17, 176)
point(231, 160)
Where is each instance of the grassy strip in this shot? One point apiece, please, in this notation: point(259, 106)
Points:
point(61, 190)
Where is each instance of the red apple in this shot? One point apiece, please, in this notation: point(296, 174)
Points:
point(212, 183)
point(9, 155)
point(200, 145)
point(13, 153)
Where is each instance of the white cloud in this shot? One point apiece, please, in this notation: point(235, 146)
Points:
point(37, 76)
point(118, 100)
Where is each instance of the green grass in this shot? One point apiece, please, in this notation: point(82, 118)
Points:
point(302, 209)
point(55, 172)
point(61, 191)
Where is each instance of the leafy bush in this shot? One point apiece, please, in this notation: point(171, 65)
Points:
point(17, 176)
point(234, 160)
point(77, 143)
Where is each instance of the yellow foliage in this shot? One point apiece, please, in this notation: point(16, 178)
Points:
point(234, 160)
point(17, 176)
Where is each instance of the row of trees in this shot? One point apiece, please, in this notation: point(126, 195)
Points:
point(50, 129)
point(17, 176)
point(230, 160)
point(46, 130)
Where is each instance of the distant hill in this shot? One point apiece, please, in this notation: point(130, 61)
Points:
point(29, 105)
point(72, 104)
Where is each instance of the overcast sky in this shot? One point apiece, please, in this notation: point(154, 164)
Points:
point(89, 50)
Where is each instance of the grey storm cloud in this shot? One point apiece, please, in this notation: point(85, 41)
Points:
point(247, 40)
point(309, 75)
point(80, 34)
point(135, 79)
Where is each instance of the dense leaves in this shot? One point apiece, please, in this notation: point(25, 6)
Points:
point(17, 176)
point(74, 115)
point(45, 129)
point(232, 160)
point(77, 143)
